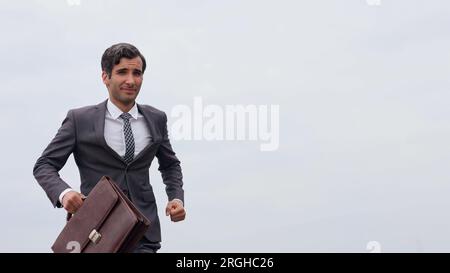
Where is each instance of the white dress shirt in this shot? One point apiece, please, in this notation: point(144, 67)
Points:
point(114, 133)
point(114, 129)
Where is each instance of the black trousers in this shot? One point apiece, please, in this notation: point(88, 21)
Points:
point(146, 246)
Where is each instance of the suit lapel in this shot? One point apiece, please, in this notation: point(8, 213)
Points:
point(150, 125)
point(99, 127)
point(150, 120)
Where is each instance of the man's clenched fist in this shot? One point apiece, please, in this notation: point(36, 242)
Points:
point(176, 211)
point(72, 201)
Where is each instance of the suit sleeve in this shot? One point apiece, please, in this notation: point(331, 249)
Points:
point(54, 158)
point(169, 166)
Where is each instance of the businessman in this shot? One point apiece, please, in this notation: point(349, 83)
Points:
point(118, 138)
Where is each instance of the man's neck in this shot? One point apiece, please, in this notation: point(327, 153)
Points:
point(124, 108)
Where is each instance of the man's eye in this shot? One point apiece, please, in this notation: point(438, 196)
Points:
point(137, 73)
point(121, 72)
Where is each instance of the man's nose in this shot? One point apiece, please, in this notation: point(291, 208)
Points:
point(130, 79)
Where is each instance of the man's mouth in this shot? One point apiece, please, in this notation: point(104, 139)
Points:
point(128, 89)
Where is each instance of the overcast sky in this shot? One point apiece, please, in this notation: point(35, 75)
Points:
point(363, 122)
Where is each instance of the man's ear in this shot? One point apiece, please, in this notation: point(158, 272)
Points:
point(105, 78)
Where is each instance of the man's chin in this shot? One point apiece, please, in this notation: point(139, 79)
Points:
point(128, 99)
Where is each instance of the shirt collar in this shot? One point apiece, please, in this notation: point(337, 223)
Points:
point(115, 112)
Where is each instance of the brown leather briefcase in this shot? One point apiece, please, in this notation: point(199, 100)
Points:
point(106, 222)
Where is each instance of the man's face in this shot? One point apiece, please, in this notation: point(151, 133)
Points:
point(125, 82)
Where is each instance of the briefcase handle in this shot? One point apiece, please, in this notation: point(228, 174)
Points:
point(70, 215)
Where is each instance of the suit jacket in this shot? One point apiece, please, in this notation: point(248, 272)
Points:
point(82, 133)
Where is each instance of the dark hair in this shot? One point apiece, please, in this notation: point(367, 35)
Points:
point(113, 54)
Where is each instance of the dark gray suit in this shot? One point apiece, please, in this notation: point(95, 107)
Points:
point(82, 133)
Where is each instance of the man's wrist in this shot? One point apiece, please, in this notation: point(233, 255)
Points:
point(178, 200)
point(61, 196)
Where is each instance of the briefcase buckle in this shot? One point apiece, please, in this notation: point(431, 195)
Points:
point(95, 236)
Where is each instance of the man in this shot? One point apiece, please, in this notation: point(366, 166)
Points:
point(118, 138)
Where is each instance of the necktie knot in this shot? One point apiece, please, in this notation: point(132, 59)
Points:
point(126, 116)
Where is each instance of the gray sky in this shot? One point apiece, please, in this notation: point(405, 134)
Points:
point(363, 96)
